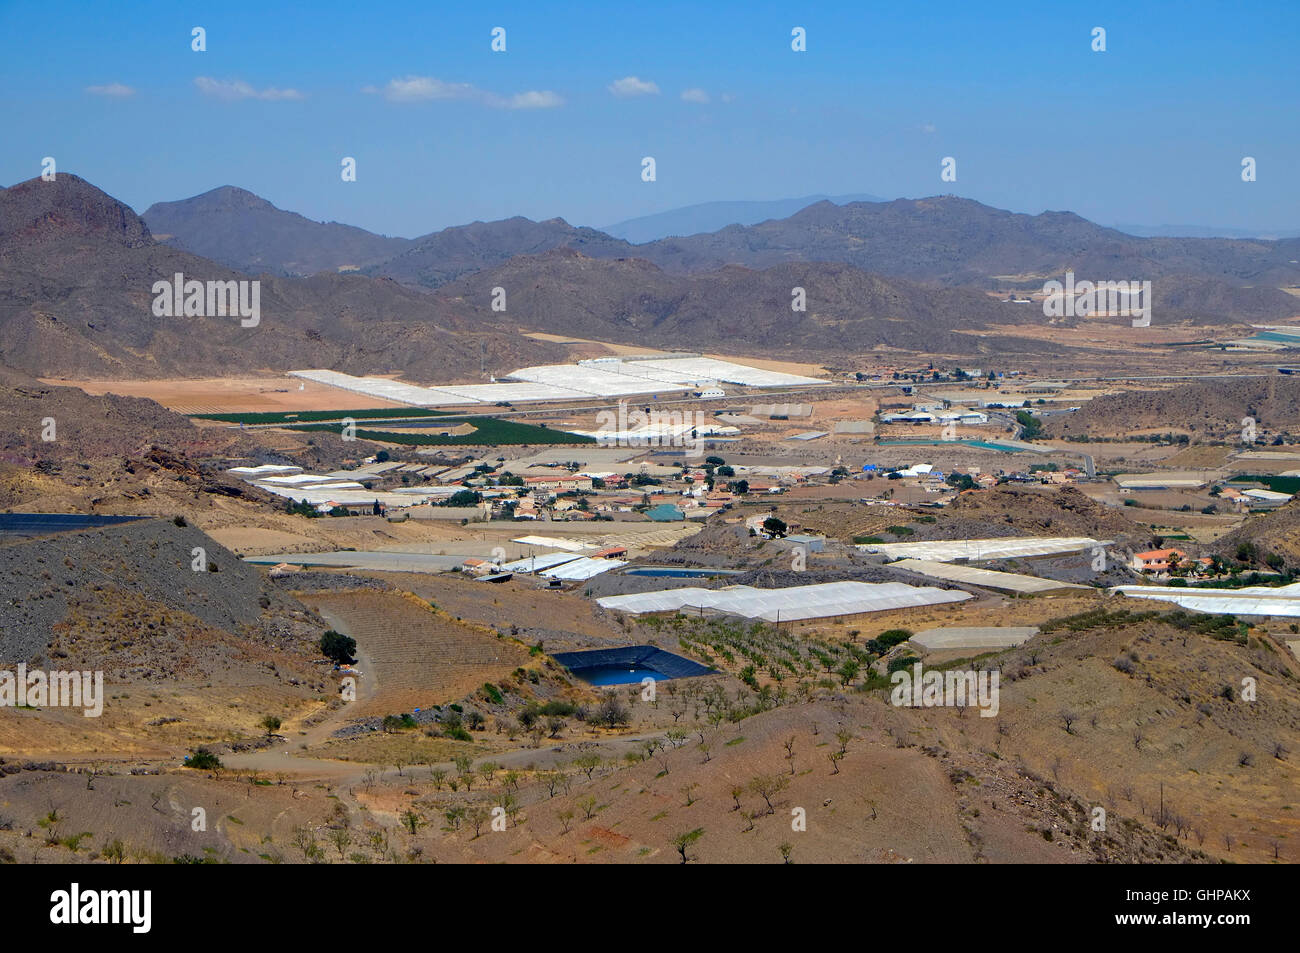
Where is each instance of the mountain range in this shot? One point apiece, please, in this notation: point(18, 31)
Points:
point(77, 268)
point(713, 216)
point(941, 239)
point(248, 233)
point(632, 301)
point(1202, 231)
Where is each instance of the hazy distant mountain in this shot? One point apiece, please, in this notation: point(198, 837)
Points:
point(960, 241)
point(633, 301)
point(942, 239)
point(435, 259)
point(712, 216)
point(77, 269)
point(248, 233)
point(1206, 231)
point(1215, 301)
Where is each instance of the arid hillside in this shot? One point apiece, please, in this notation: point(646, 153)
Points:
point(1276, 531)
point(1207, 410)
point(633, 301)
point(1012, 511)
point(77, 269)
point(1123, 717)
point(237, 228)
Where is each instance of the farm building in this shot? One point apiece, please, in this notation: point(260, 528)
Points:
point(1162, 560)
point(597, 377)
point(813, 543)
point(1017, 583)
point(1011, 547)
point(1160, 481)
point(1252, 601)
point(839, 601)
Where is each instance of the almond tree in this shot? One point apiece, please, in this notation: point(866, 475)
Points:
point(587, 764)
point(341, 838)
point(768, 786)
point(477, 816)
point(683, 842)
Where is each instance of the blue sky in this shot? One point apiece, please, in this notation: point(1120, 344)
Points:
point(445, 131)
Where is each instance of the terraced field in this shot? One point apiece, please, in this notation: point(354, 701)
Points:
point(419, 657)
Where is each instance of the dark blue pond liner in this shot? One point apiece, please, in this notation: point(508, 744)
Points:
point(628, 665)
point(41, 524)
point(678, 572)
point(617, 675)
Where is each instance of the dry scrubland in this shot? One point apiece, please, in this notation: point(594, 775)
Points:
point(1145, 701)
point(420, 657)
point(901, 792)
point(1097, 712)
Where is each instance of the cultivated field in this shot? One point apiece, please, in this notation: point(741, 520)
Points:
point(233, 395)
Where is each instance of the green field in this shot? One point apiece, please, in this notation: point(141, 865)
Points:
point(489, 431)
point(282, 417)
point(1278, 484)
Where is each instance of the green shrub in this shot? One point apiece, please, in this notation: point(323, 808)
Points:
point(903, 661)
point(203, 760)
point(887, 640)
point(337, 646)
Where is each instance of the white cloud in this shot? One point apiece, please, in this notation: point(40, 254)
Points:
point(535, 99)
point(633, 86)
point(114, 90)
point(414, 89)
point(695, 95)
point(418, 89)
point(928, 127)
point(237, 89)
point(728, 97)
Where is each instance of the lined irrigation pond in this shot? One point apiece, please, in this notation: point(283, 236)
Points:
point(980, 444)
point(629, 665)
point(41, 524)
point(677, 572)
point(618, 675)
